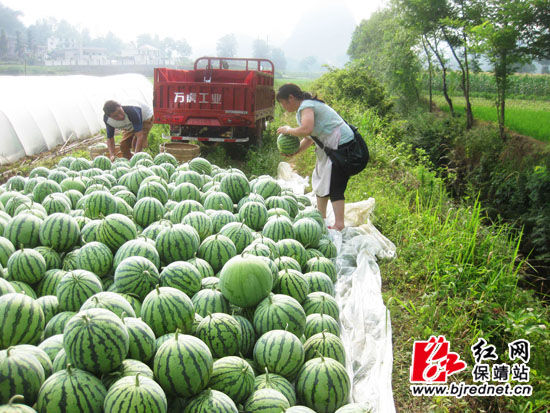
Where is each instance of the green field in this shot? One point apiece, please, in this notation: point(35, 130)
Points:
point(526, 117)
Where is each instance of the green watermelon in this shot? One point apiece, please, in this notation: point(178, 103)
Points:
point(128, 368)
point(110, 301)
point(278, 227)
point(147, 210)
point(100, 204)
point(209, 301)
point(135, 393)
point(141, 247)
point(281, 352)
point(322, 264)
point(288, 144)
point(321, 303)
point(52, 345)
point(56, 325)
point(177, 243)
point(279, 312)
point(239, 233)
point(95, 257)
point(217, 250)
point(200, 165)
point(248, 335)
point(142, 339)
point(327, 345)
point(75, 287)
point(136, 275)
point(15, 405)
point(26, 265)
point(184, 191)
point(235, 185)
point(21, 373)
point(292, 283)
point(220, 332)
point(319, 281)
point(166, 309)
point(354, 408)
point(266, 400)
point(22, 320)
point(201, 222)
point(60, 232)
point(51, 257)
point(49, 306)
point(233, 376)
point(317, 323)
point(23, 230)
point(115, 230)
point(183, 276)
point(210, 401)
point(274, 381)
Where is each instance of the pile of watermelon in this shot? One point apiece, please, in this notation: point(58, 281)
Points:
point(153, 286)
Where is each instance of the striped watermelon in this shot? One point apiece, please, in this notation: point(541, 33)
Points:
point(266, 186)
point(220, 332)
point(153, 230)
point(142, 339)
point(115, 230)
point(60, 232)
point(183, 276)
point(210, 401)
point(100, 204)
point(165, 157)
point(110, 301)
point(74, 196)
point(212, 283)
point(274, 381)
point(184, 191)
point(216, 250)
point(245, 280)
point(183, 208)
point(201, 222)
point(127, 197)
point(281, 352)
point(56, 325)
point(166, 309)
point(15, 405)
point(75, 287)
point(38, 353)
point(48, 284)
point(192, 177)
point(308, 232)
point(52, 345)
point(288, 144)
point(239, 233)
point(278, 227)
point(235, 185)
point(70, 261)
point(6, 249)
point(102, 162)
point(327, 248)
point(139, 156)
point(294, 249)
point(147, 210)
point(134, 302)
point(317, 323)
point(95, 257)
point(26, 265)
point(323, 384)
point(220, 218)
point(177, 243)
point(60, 361)
point(218, 200)
point(139, 247)
point(253, 214)
point(289, 263)
point(259, 250)
point(16, 183)
point(45, 188)
point(70, 184)
point(57, 203)
point(278, 202)
point(51, 257)
point(71, 390)
point(266, 400)
point(319, 281)
point(292, 283)
point(204, 268)
point(90, 231)
point(135, 394)
point(248, 335)
point(327, 345)
point(49, 306)
point(21, 373)
point(152, 189)
point(312, 253)
point(22, 320)
point(183, 365)
point(321, 303)
point(23, 230)
point(95, 340)
point(136, 275)
point(129, 367)
point(279, 312)
point(233, 376)
point(322, 264)
point(209, 302)
point(5, 286)
point(200, 165)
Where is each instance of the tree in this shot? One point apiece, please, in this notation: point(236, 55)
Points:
point(227, 46)
point(3, 44)
point(19, 45)
point(278, 58)
point(260, 49)
point(9, 20)
point(510, 35)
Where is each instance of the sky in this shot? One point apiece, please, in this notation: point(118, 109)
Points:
point(201, 23)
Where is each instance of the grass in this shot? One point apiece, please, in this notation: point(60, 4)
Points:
point(526, 117)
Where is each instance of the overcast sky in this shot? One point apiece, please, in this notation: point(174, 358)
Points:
point(201, 23)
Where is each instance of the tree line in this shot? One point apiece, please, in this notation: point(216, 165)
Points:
point(411, 36)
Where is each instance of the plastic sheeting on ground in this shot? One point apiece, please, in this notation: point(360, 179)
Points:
point(37, 113)
point(364, 319)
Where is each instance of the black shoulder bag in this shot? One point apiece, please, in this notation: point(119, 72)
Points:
point(351, 157)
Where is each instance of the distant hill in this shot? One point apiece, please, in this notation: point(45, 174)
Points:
point(324, 33)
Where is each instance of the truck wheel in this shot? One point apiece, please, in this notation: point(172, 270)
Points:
point(258, 132)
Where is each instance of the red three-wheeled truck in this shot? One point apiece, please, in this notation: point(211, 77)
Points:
point(222, 99)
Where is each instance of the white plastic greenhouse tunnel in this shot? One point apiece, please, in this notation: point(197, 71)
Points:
point(38, 113)
point(364, 319)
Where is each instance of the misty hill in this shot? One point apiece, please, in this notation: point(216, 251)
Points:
point(324, 33)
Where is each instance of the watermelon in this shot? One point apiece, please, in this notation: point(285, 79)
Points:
point(210, 401)
point(183, 365)
point(200, 165)
point(204, 268)
point(52, 345)
point(26, 265)
point(136, 275)
point(60, 232)
point(245, 280)
point(38, 353)
point(217, 250)
point(6, 249)
point(294, 249)
point(210, 301)
point(48, 284)
point(319, 281)
point(49, 306)
point(221, 334)
point(183, 276)
point(317, 323)
point(287, 263)
point(233, 376)
point(71, 390)
point(323, 384)
point(292, 283)
point(166, 309)
point(5, 286)
point(279, 312)
point(327, 345)
point(235, 185)
point(165, 157)
point(266, 186)
point(90, 231)
point(147, 210)
point(288, 144)
point(239, 233)
point(23, 230)
point(274, 381)
point(95, 257)
point(354, 408)
point(75, 287)
point(21, 373)
point(153, 189)
point(248, 335)
point(45, 188)
point(266, 400)
point(95, 340)
point(218, 200)
point(254, 214)
point(51, 257)
point(177, 243)
point(201, 222)
point(110, 301)
point(60, 361)
point(281, 352)
point(322, 264)
point(299, 409)
point(140, 247)
point(278, 227)
point(14, 406)
point(22, 320)
point(128, 368)
point(142, 339)
point(327, 248)
point(135, 393)
point(115, 230)
point(321, 303)
point(185, 191)
point(57, 203)
point(56, 325)
point(183, 208)
point(100, 204)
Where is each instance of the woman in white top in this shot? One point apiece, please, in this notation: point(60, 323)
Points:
point(316, 118)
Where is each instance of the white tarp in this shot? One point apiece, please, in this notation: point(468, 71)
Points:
point(364, 319)
point(37, 113)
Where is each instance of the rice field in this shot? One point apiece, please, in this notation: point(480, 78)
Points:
point(526, 117)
